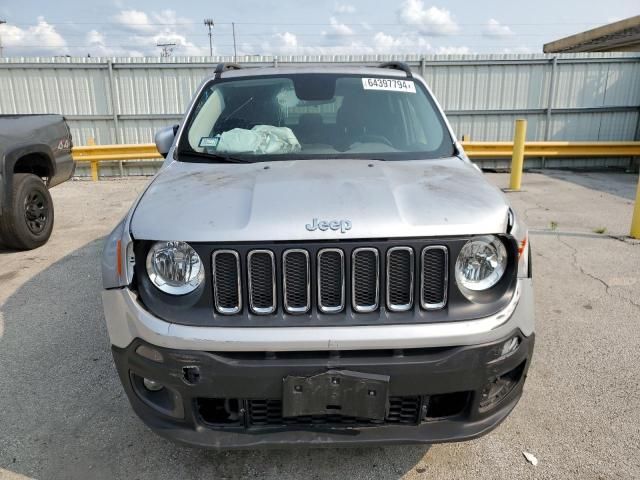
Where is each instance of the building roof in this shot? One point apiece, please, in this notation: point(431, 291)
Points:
point(622, 36)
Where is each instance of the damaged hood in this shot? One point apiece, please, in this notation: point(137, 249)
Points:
point(316, 200)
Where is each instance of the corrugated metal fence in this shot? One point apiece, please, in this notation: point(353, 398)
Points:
point(563, 97)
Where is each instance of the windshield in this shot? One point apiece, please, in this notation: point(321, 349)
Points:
point(315, 116)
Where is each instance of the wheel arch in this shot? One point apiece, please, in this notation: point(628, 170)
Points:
point(33, 158)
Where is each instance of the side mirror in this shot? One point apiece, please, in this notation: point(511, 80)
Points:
point(164, 139)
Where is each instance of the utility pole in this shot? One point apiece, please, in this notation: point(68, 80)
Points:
point(235, 52)
point(1, 49)
point(167, 49)
point(209, 23)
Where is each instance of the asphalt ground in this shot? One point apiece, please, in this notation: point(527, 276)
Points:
point(63, 412)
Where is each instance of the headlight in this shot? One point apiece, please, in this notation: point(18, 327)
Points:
point(481, 263)
point(174, 267)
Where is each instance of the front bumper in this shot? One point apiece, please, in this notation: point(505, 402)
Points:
point(241, 370)
point(231, 400)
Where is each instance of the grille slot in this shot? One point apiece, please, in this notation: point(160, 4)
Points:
point(261, 274)
point(331, 288)
point(365, 279)
point(402, 411)
point(315, 279)
point(435, 277)
point(226, 281)
point(296, 281)
point(400, 266)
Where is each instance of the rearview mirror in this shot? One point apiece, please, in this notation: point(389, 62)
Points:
point(164, 139)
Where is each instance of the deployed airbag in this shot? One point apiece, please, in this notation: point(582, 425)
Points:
point(260, 140)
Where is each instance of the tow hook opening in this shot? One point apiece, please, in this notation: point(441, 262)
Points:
point(161, 398)
point(220, 411)
point(499, 387)
point(191, 375)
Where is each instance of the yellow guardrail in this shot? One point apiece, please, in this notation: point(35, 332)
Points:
point(553, 149)
point(94, 154)
point(101, 153)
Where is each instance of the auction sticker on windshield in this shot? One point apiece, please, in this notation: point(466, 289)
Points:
point(396, 85)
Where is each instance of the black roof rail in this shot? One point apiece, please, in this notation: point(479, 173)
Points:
point(222, 67)
point(397, 66)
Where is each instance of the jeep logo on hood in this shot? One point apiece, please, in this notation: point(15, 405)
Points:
point(324, 225)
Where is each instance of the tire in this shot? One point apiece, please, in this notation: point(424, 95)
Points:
point(29, 217)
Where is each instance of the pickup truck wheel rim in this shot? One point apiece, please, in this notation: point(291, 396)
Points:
point(36, 212)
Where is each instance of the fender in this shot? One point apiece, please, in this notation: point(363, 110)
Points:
point(9, 161)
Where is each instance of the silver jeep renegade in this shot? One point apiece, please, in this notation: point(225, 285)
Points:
point(318, 262)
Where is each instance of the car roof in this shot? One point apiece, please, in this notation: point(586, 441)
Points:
point(311, 69)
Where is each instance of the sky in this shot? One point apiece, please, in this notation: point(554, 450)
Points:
point(303, 27)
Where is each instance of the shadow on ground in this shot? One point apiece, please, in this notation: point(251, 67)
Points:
point(616, 183)
point(64, 413)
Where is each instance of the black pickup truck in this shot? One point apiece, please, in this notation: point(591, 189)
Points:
point(35, 155)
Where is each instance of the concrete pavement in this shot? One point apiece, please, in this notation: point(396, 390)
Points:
point(63, 413)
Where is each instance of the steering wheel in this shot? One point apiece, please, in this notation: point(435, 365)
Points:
point(371, 138)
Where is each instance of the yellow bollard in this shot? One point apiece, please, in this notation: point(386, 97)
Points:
point(94, 164)
point(635, 220)
point(517, 158)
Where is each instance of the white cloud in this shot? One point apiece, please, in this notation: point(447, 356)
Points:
point(452, 50)
point(147, 30)
point(340, 28)
point(344, 8)
point(287, 44)
point(39, 39)
point(520, 49)
point(430, 21)
point(94, 37)
point(385, 43)
point(495, 29)
point(134, 20)
point(97, 46)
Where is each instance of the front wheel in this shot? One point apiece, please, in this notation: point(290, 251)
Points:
point(28, 221)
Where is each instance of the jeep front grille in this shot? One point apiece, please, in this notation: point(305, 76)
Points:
point(400, 279)
point(226, 281)
point(330, 280)
point(331, 287)
point(365, 279)
point(296, 281)
point(261, 275)
point(435, 267)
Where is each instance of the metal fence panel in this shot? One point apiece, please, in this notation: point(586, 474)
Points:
point(125, 100)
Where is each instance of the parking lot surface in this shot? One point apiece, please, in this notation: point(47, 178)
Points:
point(64, 414)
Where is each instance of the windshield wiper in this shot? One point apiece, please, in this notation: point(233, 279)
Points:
point(220, 157)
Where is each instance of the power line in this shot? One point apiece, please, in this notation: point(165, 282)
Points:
point(230, 24)
point(324, 35)
point(230, 45)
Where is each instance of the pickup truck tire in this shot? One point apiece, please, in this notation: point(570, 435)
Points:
point(28, 221)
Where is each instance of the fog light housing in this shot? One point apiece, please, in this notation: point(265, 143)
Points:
point(498, 388)
point(503, 350)
point(152, 385)
point(149, 353)
point(509, 347)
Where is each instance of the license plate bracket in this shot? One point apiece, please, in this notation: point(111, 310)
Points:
point(336, 392)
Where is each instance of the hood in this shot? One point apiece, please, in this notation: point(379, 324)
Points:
point(318, 200)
